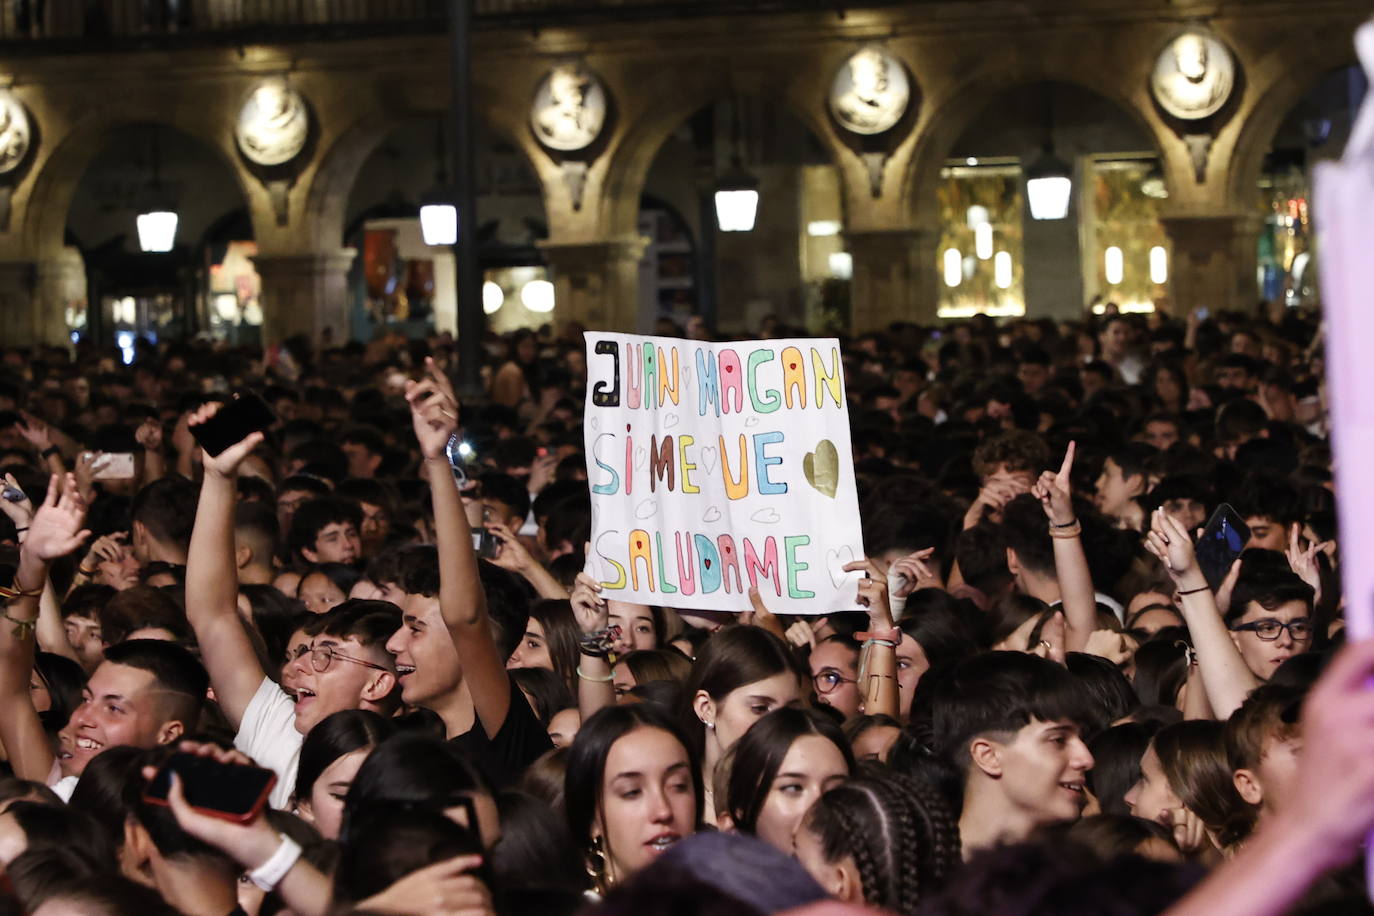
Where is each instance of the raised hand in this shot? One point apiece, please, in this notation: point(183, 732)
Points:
point(915, 569)
point(761, 617)
point(872, 594)
point(85, 473)
point(802, 634)
point(35, 432)
point(1055, 491)
point(19, 512)
point(590, 609)
point(226, 463)
point(433, 410)
point(56, 528)
point(149, 435)
point(1304, 562)
point(995, 494)
point(512, 554)
point(1169, 541)
point(250, 844)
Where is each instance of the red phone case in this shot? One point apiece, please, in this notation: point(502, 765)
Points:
point(231, 817)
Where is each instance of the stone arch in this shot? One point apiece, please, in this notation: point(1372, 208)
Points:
point(675, 99)
point(1272, 104)
point(69, 149)
point(965, 102)
point(341, 161)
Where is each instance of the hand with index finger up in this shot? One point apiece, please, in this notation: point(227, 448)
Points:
point(1055, 491)
point(433, 410)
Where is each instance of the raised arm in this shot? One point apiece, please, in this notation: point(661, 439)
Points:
point(434, 410)
point(878, 657)
point(54, 531)
point(512, 555)
point(1226, 677)
point(212, 585)
point(1055, 493)
point(594, 675)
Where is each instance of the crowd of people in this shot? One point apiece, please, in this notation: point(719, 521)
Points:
point(1039, 704)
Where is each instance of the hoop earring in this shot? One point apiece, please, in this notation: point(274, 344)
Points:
point(596, 864)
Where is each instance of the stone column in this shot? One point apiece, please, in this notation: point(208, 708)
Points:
point(1214, 261)
point(596, 284)
point(17, 280)
point(59, 283)
point(305, 294)
point(894, 277)
point(1053, 261)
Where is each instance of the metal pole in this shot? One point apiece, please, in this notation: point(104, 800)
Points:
point(471, 318)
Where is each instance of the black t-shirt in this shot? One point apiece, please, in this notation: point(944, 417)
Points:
point(503, 758)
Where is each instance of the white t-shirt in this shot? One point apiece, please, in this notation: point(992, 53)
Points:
point(64, 787)
point(268, 735)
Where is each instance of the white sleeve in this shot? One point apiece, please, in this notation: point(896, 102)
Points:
point(268, 734)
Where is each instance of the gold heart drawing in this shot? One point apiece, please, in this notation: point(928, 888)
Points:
point(822, 468)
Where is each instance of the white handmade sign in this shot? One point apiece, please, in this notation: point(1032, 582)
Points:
point(717, 467)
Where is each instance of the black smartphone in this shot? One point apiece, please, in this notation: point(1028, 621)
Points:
point(229, 791)
point(1221, 543)
point(485, 544)
point(245, 414)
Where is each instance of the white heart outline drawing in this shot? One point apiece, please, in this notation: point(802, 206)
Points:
point(748, 421)
point(670, 420)
point(767, 516)
point(646, 509)
point(641, 455)
point(712, 515)
point(708, 459)
point(835, 563)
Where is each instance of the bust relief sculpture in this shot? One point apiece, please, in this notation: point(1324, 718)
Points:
point(273, 123)
point(870, 92)
point(569, 108)
point(15, 132)
point(1193, 76)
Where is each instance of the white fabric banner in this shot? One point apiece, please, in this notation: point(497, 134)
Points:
point(717, 467)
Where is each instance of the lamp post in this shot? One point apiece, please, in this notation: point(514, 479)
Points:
point(471, 317)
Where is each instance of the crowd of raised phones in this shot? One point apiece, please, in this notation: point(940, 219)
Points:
point(285, 677)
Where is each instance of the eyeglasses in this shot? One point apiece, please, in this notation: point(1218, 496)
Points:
point(321, 657)
point(1269, 629)
point(826, 681)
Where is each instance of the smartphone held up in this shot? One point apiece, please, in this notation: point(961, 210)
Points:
point(229, 791)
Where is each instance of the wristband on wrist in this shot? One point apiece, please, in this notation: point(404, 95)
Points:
point(50, 451)
point(1065, 525)
point(598, 644)
point(1195, 591)
point(599, 680)
point(892, 635)
point(1062, 533)
point(270, 873)
point(880, 642)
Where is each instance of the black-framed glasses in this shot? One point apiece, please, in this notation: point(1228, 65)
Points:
point(321, 657)
point(828, 680)
point(1269, 629)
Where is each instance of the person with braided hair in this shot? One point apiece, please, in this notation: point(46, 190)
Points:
point(882, 839)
